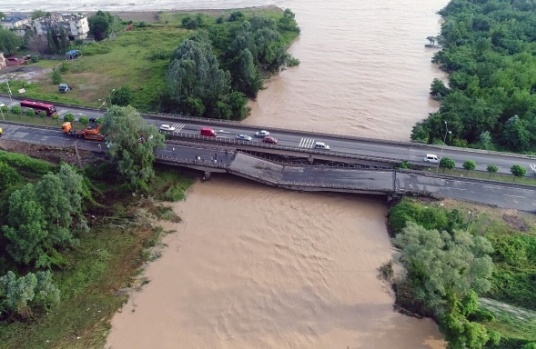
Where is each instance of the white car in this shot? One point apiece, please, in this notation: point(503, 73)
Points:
point(243, 137)
point(262, 133)
point(321, 146)
point(168, 128)
point(431, 158)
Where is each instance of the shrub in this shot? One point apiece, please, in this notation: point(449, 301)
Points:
point(43, 114)
point(16, 110)
point(55, 76)
point(68, 117)
point(64, 67)
point(84, 120)
point(4, 108)
point(30, 112)
point(175, 193)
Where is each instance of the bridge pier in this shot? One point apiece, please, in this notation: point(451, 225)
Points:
point(311, 160)
point(206, 177)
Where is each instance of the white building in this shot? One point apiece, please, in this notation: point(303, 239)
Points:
point(17, 23)
point(75, 25)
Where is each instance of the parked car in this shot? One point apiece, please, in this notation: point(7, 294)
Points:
point(243, 137)
point(270, 140)
point(321, 146)
point(431, 158)
point(167, 128)
point(262, 133)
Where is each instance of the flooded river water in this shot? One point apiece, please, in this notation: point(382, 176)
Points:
point(255, 267)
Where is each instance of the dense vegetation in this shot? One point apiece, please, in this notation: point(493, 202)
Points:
point(214, 69)
point(453, 256)
point(70, 238)
point(489, 52)
point(201, 64)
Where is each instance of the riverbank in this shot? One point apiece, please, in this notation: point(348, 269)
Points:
point(98, 274)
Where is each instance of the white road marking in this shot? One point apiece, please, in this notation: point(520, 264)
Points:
point(306, 143)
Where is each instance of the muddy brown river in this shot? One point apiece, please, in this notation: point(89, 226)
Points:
point(255, 267)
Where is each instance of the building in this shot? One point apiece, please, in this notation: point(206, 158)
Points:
point(17, 23)
point(75, 25)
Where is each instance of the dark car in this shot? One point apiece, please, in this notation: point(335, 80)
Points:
point(270, 140)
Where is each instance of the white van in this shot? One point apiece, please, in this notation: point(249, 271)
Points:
point(321, 145)
point(431, 158)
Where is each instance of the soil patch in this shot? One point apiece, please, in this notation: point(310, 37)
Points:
point(516, 222)
point(51, 154)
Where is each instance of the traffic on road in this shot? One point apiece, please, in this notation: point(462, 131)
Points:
point(402, 151)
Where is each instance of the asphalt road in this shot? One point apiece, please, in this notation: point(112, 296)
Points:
point(369, 147)
point(502, 195)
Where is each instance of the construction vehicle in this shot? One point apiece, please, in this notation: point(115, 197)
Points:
point(91, 132)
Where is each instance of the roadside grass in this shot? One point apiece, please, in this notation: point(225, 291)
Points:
point(99, 274)
point(137, 59)
point(529, 179)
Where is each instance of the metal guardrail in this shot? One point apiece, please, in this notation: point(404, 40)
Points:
point(212, 122)
point(216, 140)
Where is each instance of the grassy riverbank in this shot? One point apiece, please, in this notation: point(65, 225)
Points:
point(136, 57)
point(510, 299)
point(99, 273)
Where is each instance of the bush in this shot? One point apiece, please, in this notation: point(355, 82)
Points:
point(84, 120)
point(175, 193)
point(64, 67)
point(55, 76)
point(4, 108)
point(68, 117)
point(30, 112)
point(16, 110)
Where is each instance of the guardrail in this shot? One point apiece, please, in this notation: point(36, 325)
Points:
point(215, 122)
point(216, 140)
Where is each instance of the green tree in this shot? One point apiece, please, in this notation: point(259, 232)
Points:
point(100, 25)
point(22, 295)
point(446, 163)
point(74, 189)
point(459, 332)
point(69, 117)
point(438, 90)
point(26, 229)
point(440, 263)
point(486, 141)
point(246, 76)
point(40, 13)
point(492, 169)
point(469, 165)
point(122, 96)
point(132, 141)
point(56, 209)
point(515, 134)
point(194, 74)
point(8, 176)
point(9, 41)
point(518, 171)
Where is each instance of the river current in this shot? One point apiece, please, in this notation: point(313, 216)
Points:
point(255, 267)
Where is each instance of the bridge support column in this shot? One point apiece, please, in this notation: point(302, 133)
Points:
point(206, 177)
point(311, 160)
